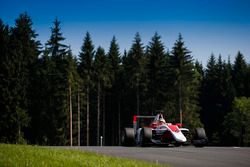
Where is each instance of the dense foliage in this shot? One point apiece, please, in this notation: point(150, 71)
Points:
point(50, 97)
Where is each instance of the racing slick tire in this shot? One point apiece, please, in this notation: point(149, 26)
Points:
point(145, 137)
point(128, 137)
point(200, 138)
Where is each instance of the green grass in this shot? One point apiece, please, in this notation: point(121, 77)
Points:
point(25, 155)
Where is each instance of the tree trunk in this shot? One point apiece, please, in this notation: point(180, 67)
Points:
point(180, 102)
point(137, 101)
point(104, 119)
point(113, 120)
point(119, 121)
point(153, 106)
point(78, 115)
point(87, 139)
point(70, 114)
point(98, 113)
point(19, 133)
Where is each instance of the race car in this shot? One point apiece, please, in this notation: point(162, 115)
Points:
point(161, 133)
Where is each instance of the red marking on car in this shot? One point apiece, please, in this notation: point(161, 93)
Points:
point(179, 125)
point(134, 119)
point(174, 128)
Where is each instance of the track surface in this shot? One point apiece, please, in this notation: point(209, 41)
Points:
point(180, 156)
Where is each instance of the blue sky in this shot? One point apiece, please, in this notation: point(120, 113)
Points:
point(208, 26)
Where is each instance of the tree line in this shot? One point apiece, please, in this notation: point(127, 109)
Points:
point(48, 96)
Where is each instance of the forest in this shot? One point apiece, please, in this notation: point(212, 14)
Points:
point(48, 96)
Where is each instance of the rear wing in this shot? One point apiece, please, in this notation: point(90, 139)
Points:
point(136, 122)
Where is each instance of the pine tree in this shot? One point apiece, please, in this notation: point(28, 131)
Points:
point(199, 68)
point(209, 93)
point(6, 77)
point(185, 83)
point(135, 69)
point(102, 82)
point(73, 82)
point(220, 99)
point(229, 90)
point(156, 74)
point(22, 51)
point(42, 125)
point(218, 94)
point(57, 106)
point(86, 73)
point(114, 59)
point(239, 75)
point(29, 49)
point(134, 81)
point(114, 92)
point(54, 45)
point(199, 73)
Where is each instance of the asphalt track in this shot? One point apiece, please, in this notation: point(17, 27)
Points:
point(180, 156)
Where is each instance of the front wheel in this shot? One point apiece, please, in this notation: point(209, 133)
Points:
point(145, 137)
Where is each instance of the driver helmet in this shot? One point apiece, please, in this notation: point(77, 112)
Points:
point(162, 120)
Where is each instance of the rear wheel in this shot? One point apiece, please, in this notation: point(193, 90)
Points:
point(145, 137)
point(128, 137)
point(200, 133)
point(200, 138)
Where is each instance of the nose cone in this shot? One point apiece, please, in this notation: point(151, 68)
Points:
point(179, 137)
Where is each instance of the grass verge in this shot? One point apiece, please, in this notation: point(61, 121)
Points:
point(25, 155)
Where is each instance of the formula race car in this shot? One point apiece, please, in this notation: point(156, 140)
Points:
point(161, 133)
